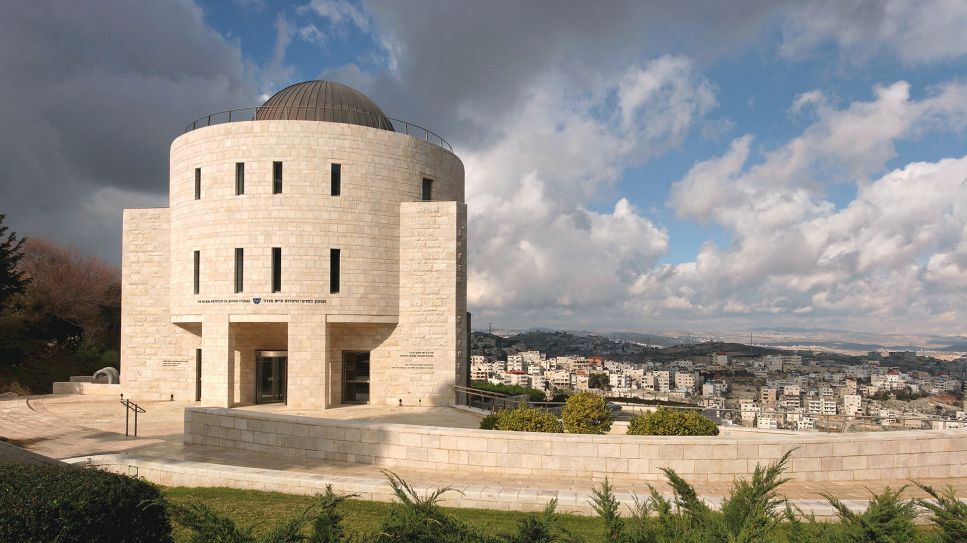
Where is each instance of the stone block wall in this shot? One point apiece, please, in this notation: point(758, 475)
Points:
point(157, 357)
point(430, 341)
point(816, 457)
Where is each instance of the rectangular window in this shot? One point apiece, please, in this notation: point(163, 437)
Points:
point(197, 270)
point(198, 183)
point(239, 178)
point(276, 269)
point(276, 178)
point(427, 189)
point(336, 179)
point(334, 271)
point(239, 269)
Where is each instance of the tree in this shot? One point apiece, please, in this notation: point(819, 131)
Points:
point(13, 281)
point(68, 288)
point(586, 413)
point(600, 381)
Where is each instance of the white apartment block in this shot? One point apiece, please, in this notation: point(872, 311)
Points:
point(663, 380)
point(852, 405)
point(768, 395)
point(772, 362)
point(617, 380)
point(686, 381)
point(719, 359)
point(792, 391)
point(714, 388)
point(767, 420)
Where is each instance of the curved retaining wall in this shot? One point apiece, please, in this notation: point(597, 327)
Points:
point(818, 457)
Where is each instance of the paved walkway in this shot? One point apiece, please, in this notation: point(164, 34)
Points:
point(90, 429)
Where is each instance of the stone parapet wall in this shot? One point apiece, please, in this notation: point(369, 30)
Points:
point(12, 454)
point(817, 457)
point(90, 389)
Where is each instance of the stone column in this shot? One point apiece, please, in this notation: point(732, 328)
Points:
point(307, 375)
point(217, 362)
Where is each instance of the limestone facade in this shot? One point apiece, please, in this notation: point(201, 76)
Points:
point(402, 267)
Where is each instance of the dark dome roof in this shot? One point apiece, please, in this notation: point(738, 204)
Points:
point(323, 101)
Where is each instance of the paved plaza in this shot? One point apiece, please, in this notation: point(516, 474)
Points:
point(91, 429)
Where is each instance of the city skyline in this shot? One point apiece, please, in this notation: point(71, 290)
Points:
point(642, 167)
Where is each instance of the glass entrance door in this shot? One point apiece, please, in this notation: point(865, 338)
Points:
point(270, 378)
point(355, 375)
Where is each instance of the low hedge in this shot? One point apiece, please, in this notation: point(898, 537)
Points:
point(522, 419)
point(51, 504)
point(586, 413)
point(672, 422)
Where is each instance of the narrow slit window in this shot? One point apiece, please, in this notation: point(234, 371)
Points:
point(336, 173)
point(239, 178)
point(197, 271)
point(276, 178)
point(276, 269)
point(334, 271)
point(239, 269)
point(427, 189)
point(198, 183)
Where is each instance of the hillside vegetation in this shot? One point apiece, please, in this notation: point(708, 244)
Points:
point(60, 314)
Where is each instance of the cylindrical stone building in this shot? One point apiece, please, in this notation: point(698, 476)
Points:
point(313, 253)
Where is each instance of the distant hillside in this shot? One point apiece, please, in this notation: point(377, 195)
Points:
point(710, 347)
point(646, 339)
point(556, 344)
point(566, 343)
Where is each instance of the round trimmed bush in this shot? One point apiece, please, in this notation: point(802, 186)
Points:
point(672, 422)
point(586, 413)
point(44, 504)
point(522, 419)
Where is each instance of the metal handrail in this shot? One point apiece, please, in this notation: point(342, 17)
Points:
point(252, 114)
point(487, 400)
point(841, 423)
point(130, 406)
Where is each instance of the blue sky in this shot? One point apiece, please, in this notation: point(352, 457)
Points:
point(634, 165)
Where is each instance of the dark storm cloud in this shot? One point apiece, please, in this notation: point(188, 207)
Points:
point(93, 93)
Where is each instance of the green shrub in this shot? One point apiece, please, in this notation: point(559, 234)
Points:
point(490, 421)
point(67, 504)
point(210, 526)
point(948, 513)
point(532, 394)
point(420, 519)
point(672, 422)
point(888, 518)
point(522, 419)
point(586, 413)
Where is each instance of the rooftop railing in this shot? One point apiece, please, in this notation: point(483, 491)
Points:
point(325, 114)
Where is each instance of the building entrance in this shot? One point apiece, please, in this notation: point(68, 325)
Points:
point(355, 371)
point(270, 378)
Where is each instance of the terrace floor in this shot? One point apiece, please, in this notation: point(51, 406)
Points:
point(79, 427)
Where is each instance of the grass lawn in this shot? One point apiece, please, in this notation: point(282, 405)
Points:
point(260, 510)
